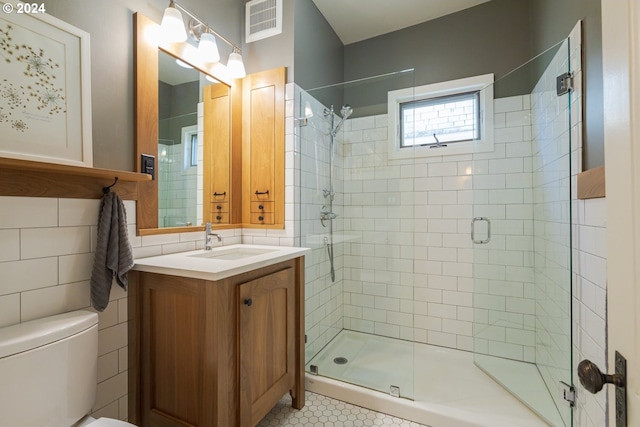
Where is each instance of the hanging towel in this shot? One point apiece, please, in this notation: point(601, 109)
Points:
point(114, 257)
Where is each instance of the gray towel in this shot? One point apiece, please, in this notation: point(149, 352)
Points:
point(114, 257)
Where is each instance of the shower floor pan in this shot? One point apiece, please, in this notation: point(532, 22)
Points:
point(441, 387)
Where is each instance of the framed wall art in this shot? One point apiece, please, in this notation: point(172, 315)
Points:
point(45, 88)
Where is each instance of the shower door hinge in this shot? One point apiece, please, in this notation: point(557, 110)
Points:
point(569, 393)
point(564, 83)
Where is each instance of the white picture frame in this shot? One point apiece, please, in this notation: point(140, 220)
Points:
point(45, 88)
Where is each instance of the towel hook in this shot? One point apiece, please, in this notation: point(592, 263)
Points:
point(105, 190)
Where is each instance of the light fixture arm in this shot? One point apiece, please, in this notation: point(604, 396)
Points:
point(207, 26)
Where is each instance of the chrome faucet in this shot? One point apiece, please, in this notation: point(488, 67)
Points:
point(207, 237)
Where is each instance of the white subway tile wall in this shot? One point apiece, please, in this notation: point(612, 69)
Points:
point(177, 187)
point(324, 298)
point(46, 257)
point(410, 231)
point(589, 269)
point(503, 303)
point(590, 302)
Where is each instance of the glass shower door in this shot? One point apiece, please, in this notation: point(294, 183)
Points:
point(521, 233)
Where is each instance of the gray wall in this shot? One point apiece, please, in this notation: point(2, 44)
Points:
point(276, 51)
point(552, 20)
point(178, 108)
point(496, 37)
point(493, 37)
point(110, 24)
point(319, 53)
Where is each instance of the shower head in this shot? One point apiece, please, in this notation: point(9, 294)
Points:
point(346, 111)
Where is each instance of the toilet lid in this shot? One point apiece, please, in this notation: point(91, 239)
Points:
point(109, 422)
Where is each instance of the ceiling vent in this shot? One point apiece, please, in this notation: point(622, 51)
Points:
point(263, 19)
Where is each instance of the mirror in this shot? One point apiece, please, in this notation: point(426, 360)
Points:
point(179, 162)
point(158, 128)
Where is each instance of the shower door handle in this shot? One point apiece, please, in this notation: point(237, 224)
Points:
point(473, 230)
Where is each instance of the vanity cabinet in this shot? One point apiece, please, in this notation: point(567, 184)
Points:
point(215, 353)
point(263, 150)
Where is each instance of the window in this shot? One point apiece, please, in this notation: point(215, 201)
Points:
point(190, 146)
point(194, 149)
point(452, 117)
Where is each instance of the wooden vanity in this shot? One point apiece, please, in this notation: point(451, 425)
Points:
point(214, 349)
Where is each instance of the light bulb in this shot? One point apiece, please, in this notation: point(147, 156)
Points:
point(208, 49)
point(236, 66)
point(172, 26)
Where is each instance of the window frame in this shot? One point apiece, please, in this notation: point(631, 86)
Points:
point(188, 132)
point(482, 84)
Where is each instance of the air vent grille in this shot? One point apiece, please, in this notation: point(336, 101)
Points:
point(263, 19)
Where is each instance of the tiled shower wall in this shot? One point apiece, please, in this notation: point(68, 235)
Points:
point(405, 213)
point(176, 187)
point(180, 190)
point(408, 274)
point(323, 297)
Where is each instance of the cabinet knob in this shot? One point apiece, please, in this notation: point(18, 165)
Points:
point(260, 207)
point(248, 301)
point(260, 218)
point(218, 217)
point(219, 207)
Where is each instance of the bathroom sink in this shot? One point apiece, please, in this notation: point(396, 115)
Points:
point(232, 254)
point(220, 262)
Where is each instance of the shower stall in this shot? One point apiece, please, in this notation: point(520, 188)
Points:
point(441, 280)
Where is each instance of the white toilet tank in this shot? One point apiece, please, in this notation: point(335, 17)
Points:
point(48, 370)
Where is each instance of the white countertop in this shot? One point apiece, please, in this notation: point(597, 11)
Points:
point(220, 262)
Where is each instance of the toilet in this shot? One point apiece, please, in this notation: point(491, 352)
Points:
point(49, 369)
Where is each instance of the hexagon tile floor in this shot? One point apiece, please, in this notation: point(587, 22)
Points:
point(322, 411)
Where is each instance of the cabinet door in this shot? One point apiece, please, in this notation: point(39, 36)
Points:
point(172, 349)
point(222, 174)
point(263, 146)
point(217, 151)
point(267, 354)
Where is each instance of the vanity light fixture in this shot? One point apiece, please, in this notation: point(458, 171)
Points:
point(208, 48)
point(204, 34)
point(172, 25)
point(235, 64)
